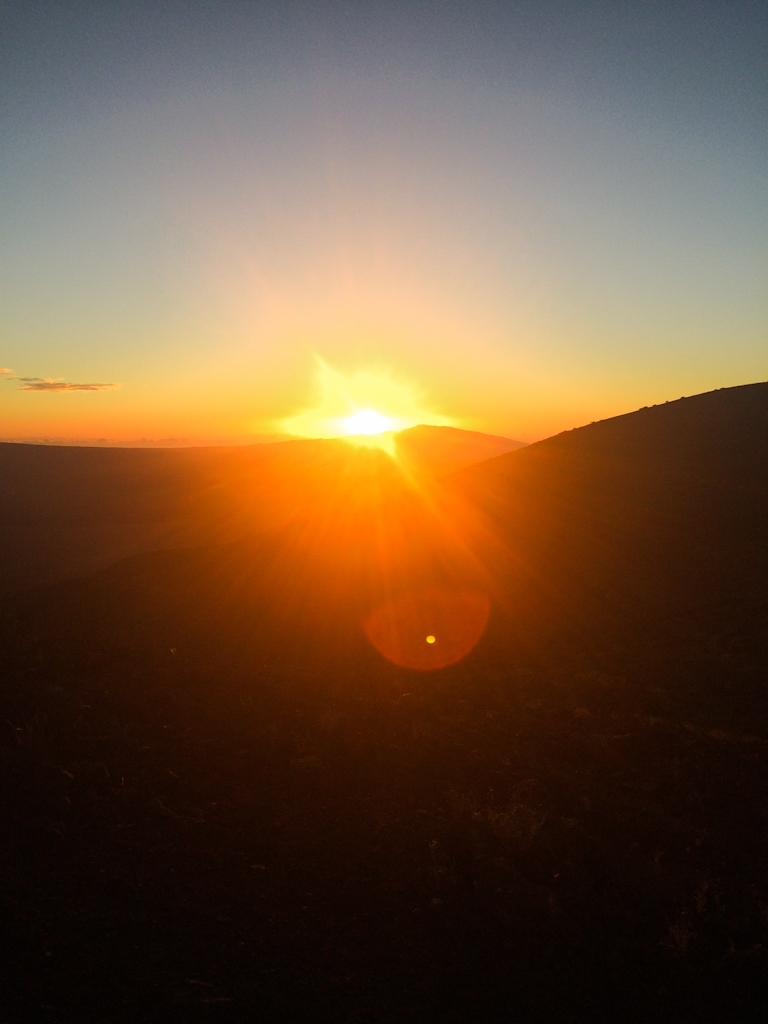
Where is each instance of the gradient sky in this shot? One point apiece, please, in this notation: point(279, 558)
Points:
point(526, 216)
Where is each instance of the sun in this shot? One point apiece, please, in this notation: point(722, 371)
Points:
point(367, 421)
point(369, 403)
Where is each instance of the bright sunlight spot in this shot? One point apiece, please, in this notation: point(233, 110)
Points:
point(367, 421)
point(430, 639)
point(362, 404)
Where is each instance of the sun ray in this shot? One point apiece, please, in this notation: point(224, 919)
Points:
point(365, 404)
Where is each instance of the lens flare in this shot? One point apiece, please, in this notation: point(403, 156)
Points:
point(398, 628)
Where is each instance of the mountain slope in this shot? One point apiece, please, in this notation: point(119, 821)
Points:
point(441, 450)
point(651, 526)
point(661, 512)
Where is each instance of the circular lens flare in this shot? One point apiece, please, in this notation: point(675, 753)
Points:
point(399, 627)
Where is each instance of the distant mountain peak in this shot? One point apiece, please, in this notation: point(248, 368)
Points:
point(442, 450)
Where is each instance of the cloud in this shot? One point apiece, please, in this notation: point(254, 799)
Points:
point(4, 370)
point(58, 384)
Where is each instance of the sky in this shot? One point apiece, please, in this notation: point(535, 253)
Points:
point(219, 221)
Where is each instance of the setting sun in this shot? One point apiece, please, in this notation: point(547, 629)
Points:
point(368, 421)
point(365, 403)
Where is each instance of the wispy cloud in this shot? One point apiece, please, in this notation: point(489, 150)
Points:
point(59, 384)
point(4, 370)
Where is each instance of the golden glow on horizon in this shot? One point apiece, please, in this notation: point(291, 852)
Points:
point(364, 404)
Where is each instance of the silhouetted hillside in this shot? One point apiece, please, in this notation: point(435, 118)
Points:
point(441, 450)
point(648, 527)
point(658, 515)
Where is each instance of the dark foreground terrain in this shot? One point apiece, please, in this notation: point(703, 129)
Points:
point(219, 803)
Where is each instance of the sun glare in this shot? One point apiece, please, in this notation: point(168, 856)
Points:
point(367, 421)
point(364, 404)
